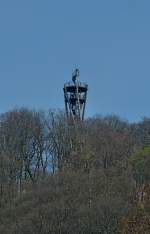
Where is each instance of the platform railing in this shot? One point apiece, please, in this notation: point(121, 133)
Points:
point(79, 84)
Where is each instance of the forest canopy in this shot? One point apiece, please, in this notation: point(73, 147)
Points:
point(87, 177)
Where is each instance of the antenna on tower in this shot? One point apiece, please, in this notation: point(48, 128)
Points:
point(75, 95)
point(75, 74)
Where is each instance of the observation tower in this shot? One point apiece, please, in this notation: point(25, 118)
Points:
point(75, 95)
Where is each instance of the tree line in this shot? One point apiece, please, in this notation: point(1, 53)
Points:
point(60, 177)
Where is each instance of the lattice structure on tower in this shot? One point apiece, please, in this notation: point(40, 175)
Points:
point(75, 95)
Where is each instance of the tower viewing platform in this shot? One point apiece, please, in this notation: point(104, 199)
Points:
point(75, 95)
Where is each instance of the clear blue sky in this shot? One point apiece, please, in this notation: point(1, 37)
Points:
point(42, 41)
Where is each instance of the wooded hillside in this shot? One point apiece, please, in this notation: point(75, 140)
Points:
point(56, 177)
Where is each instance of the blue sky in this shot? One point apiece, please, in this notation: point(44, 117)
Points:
point(42, 41)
